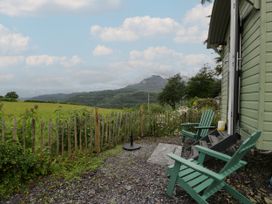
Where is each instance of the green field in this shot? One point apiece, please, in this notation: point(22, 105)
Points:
point(45, 110)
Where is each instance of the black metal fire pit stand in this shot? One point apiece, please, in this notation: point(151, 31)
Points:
point(131, 146)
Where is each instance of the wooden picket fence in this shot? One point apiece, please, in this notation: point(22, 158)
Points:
point(91, 132)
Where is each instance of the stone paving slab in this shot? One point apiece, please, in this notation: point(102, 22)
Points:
point(159, 155)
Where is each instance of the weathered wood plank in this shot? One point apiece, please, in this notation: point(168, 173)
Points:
point(250, 96)
point(97, 131)
point(254, 105)
point(62, 138)
point(268, 97)
point(42, 135)
point(50, 127)
point(58, 137)
point(252, 88)
point(24, 135)
point(68, 128)
point(75, 133)
point(33, 134)
point(3, 129)
point(14, 138)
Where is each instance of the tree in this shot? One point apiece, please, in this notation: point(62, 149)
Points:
point(203, 84)
point(12, 95)
point(205, 1)
point(173, 92)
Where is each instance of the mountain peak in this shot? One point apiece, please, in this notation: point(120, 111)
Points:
point(155, 83)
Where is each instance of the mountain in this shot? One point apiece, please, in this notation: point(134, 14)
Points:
point(128, 96)
point(152, 84)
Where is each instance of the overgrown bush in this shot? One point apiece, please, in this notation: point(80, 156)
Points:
point(205, 103)
point(18, 167)
point(8, 99)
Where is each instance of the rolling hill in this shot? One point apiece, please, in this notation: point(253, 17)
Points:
point(128, 96)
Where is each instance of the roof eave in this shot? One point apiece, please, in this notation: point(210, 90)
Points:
point(219, 23)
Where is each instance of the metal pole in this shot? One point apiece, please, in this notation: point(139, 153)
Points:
point(233, 66)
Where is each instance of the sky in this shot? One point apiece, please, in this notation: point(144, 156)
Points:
point(63, 46)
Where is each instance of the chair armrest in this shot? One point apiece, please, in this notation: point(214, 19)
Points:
point(215, 154)
point(204, 127)
point(189, 124)
point(196, 167)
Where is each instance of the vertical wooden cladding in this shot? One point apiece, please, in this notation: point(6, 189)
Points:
point(267, 119)
point(225, 84)
point(250, 77)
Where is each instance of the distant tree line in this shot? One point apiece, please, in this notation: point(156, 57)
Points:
point(10, 96)
point(205, 84)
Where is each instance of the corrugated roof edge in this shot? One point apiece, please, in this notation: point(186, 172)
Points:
point(219, 23)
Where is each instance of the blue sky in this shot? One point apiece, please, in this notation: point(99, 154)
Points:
point(52, 46)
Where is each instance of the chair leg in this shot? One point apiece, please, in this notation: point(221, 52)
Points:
point(173, 179)
point(183, 139)
point(171, 185)
point(236, 194)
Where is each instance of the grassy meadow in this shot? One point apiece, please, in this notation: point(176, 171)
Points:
point(46, 110)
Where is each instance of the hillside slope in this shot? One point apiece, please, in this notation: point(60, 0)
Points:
point(128, 96)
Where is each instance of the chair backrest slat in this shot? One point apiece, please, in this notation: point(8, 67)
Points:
point(206, 120)
point(246, 146)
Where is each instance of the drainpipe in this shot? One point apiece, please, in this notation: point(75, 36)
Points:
point(233, 68)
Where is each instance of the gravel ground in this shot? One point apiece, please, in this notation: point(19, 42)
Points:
point(126, 178)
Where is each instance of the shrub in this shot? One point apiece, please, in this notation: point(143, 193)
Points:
point(205, 103)
point(17, 167)
point(8, 99)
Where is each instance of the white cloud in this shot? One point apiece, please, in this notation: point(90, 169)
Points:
point(192, 34)
point(40, 60)
point(33, 7)
point(154, 53)
point(195, 25)
point(160, 60)
point(135, 27)
point(11, 41)
point(69, 62)
point(100, 50)
point(192, 29)
point(8, 61)
point(165, 54)
point(37, 60)
point(199, 14)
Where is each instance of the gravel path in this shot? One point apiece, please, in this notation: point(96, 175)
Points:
point(126, 178)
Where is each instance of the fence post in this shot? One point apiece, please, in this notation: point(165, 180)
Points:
point(57, 135)
point(42, 135)
point(68, 137)
point(118, 126)
point(106, 130)
point(14, 130)
point(97, 131)
point(75, 132)
point(33, 132)
point(102, 130)
point(142, 121)
point(49, 135)
point(113, 129)
point(85, 132)
point(23, 134)
point(80, 134)
point(62, 138)
point(3, 129)
point(91, 133)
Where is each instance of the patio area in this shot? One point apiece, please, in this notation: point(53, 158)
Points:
point(130, 178)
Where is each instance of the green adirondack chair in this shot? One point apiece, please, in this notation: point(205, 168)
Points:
point(202, 128)
point(201, 182)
